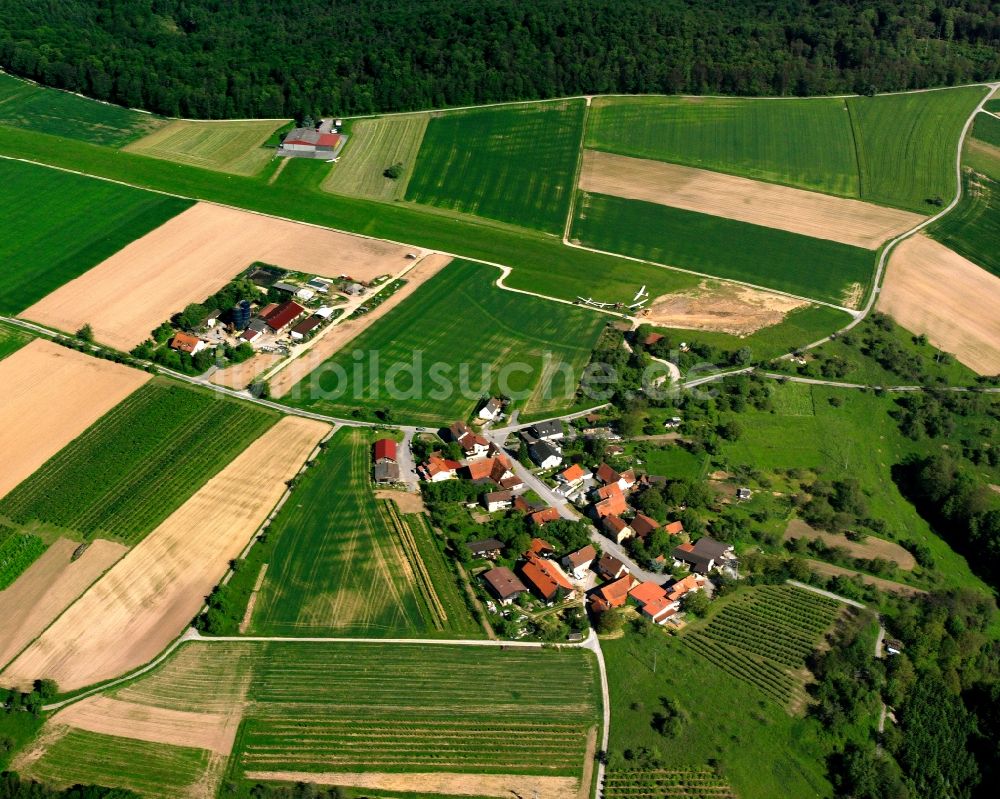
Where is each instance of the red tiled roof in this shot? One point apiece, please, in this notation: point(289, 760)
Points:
point(643, 525)
point(686, 547)
point(282, 316)
point(615, 593)
point(646, 592)
point(629, 477)
point(614, 524)
point(436, 465)
point(329, 139)
point(655, 609)
point(385, 448)
point(184, 342)
point(675, 528)
point(581, 556)
point(573, 473)
point(540, 517)
point(607, 475)
point(610, 490)
point(539, 578)
point(681, 587)
point(540, 546)
point(614, 505)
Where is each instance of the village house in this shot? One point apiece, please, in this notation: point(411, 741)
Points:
point(544, 454)
point(545, 578)
point(489, 548)
point(617, 528)
point(311, 143)
point(547, 431)
point(579, 562)
point(610, 568)
point(497, 500)
point(677, 589)
point(305, 327)
point(674, 528)
point(611, 595)
point(541, 547)
point(673, 423)
point(386, 466)
point(254, 330)
point(437, 469)
point(474, 445)
point(185, 342)
point(488, 470)
point(702, 556)
point(571, 479)
point(643, 525)
point(653, 602)
point(610, 502)
point(504, 584)
point(608, 476)
point(491, 410)
point(743, 494)
point(541, 517)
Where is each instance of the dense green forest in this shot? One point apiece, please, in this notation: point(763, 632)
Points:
point(269, 58)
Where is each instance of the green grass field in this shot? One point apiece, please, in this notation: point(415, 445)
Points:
point(347, 564)
point(762, 751)
point(153, 770)
point(814, 268)
point(804, 143)
point(233, 147)
point(906, 145)
point(987, 129)
point(470, 337)
point(373, 146)
point(36, 108)
point(57, 225)
point(515, 163)
point(17, 552)
point(675, 462)
point(12, 339)
point(137, 464)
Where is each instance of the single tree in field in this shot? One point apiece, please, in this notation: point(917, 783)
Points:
point(86, 333)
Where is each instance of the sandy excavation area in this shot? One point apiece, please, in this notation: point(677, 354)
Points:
point(51, 394)
point(341, 333)
point(146, 599)
point(723, 307)
point(930, 289)
point(795, 210)
point(49, 586)
point(505, 785)
point(101, 714)
point(194, 255)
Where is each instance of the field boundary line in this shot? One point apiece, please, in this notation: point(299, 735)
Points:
point(828, 594)
point(575, 186)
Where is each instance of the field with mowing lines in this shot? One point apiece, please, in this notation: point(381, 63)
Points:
point(347, 564)
point(764, 637)
point(804, 143)
point(986, 128)
point(515, 164)
point(153, 770)
point(456, 318)
point(808, 267)
point(12, 339)
point(138, 463)
point(70, 224)
point(235, 147)
point(36, 108)
point(906, 145)
point(373, 146)
point(666, 784)
point(973, 228)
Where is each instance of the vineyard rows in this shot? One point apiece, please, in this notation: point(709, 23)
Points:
point(666, 784)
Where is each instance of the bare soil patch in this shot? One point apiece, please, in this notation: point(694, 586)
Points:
point(49, 586)
point(829, 570)
point(341, 333)
point(241, 375)
point(407, 502)
point(744, 200)
point(146, 599)
point(51, 394)
point(504, 785)
point(869, 549)
point(193, 255)
point(930, 289)
point(101, 714)
point(724, 307)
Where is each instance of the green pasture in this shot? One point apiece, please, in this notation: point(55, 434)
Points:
point(515, 163)
point(458, 337)
point(846, 433)
point(57, 225)
point(798, 142)
point(37, 108)
point(802, 265)
point(906, 145)
point(981, 155)
point(12, 339)
point(341, 567)
point(674, 462)
point(374, 146)
point(972, 229)
point(986, 128)
point(137, 464)
point(236, 147)
point(153, 770)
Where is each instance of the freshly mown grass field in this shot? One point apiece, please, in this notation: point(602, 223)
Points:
point(137, 464)
point(906, 145)
point(463, 337)
point(515, 163)
point(845, 433)
point(345, 563)
point(973, 228)
point(57, 226)
point(12, 339)
point(153, 770)
point(763, 638)
point(37, 108)
point(234, 147)
point(373, 146)
point(801, 265)
point(987, 129)
point(805, 143)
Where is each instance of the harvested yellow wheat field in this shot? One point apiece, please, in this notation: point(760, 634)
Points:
point(795, 210)
point(192, 256)
point(51, 394)
point(930, 289)
point(147, 598)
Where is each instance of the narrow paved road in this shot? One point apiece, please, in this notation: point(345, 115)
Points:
point(828, 594)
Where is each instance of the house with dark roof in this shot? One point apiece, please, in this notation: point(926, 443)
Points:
point(617, 528)
point(386, 472)
point(644, 525)
point(283, 315)
point(489, 548)
point(544, 454)
point(547, 431)
point(305, 327)
point(702, 556)
point(504, 584)
point(610, 568)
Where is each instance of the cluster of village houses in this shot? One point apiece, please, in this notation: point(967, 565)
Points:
point(603, 491)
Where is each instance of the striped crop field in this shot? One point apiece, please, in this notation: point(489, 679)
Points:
point(37, 108)
point(514, 163)
point(764, 636)
point(17, 552)
point(138, 463)
point(373, 146)
point(346, 563)
point(809, 267)
point(57, 225)
point(12, 339)
point(972, 229)
point(432, 358)
point(666, 784)
point(236, 147)
point(805, 143)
